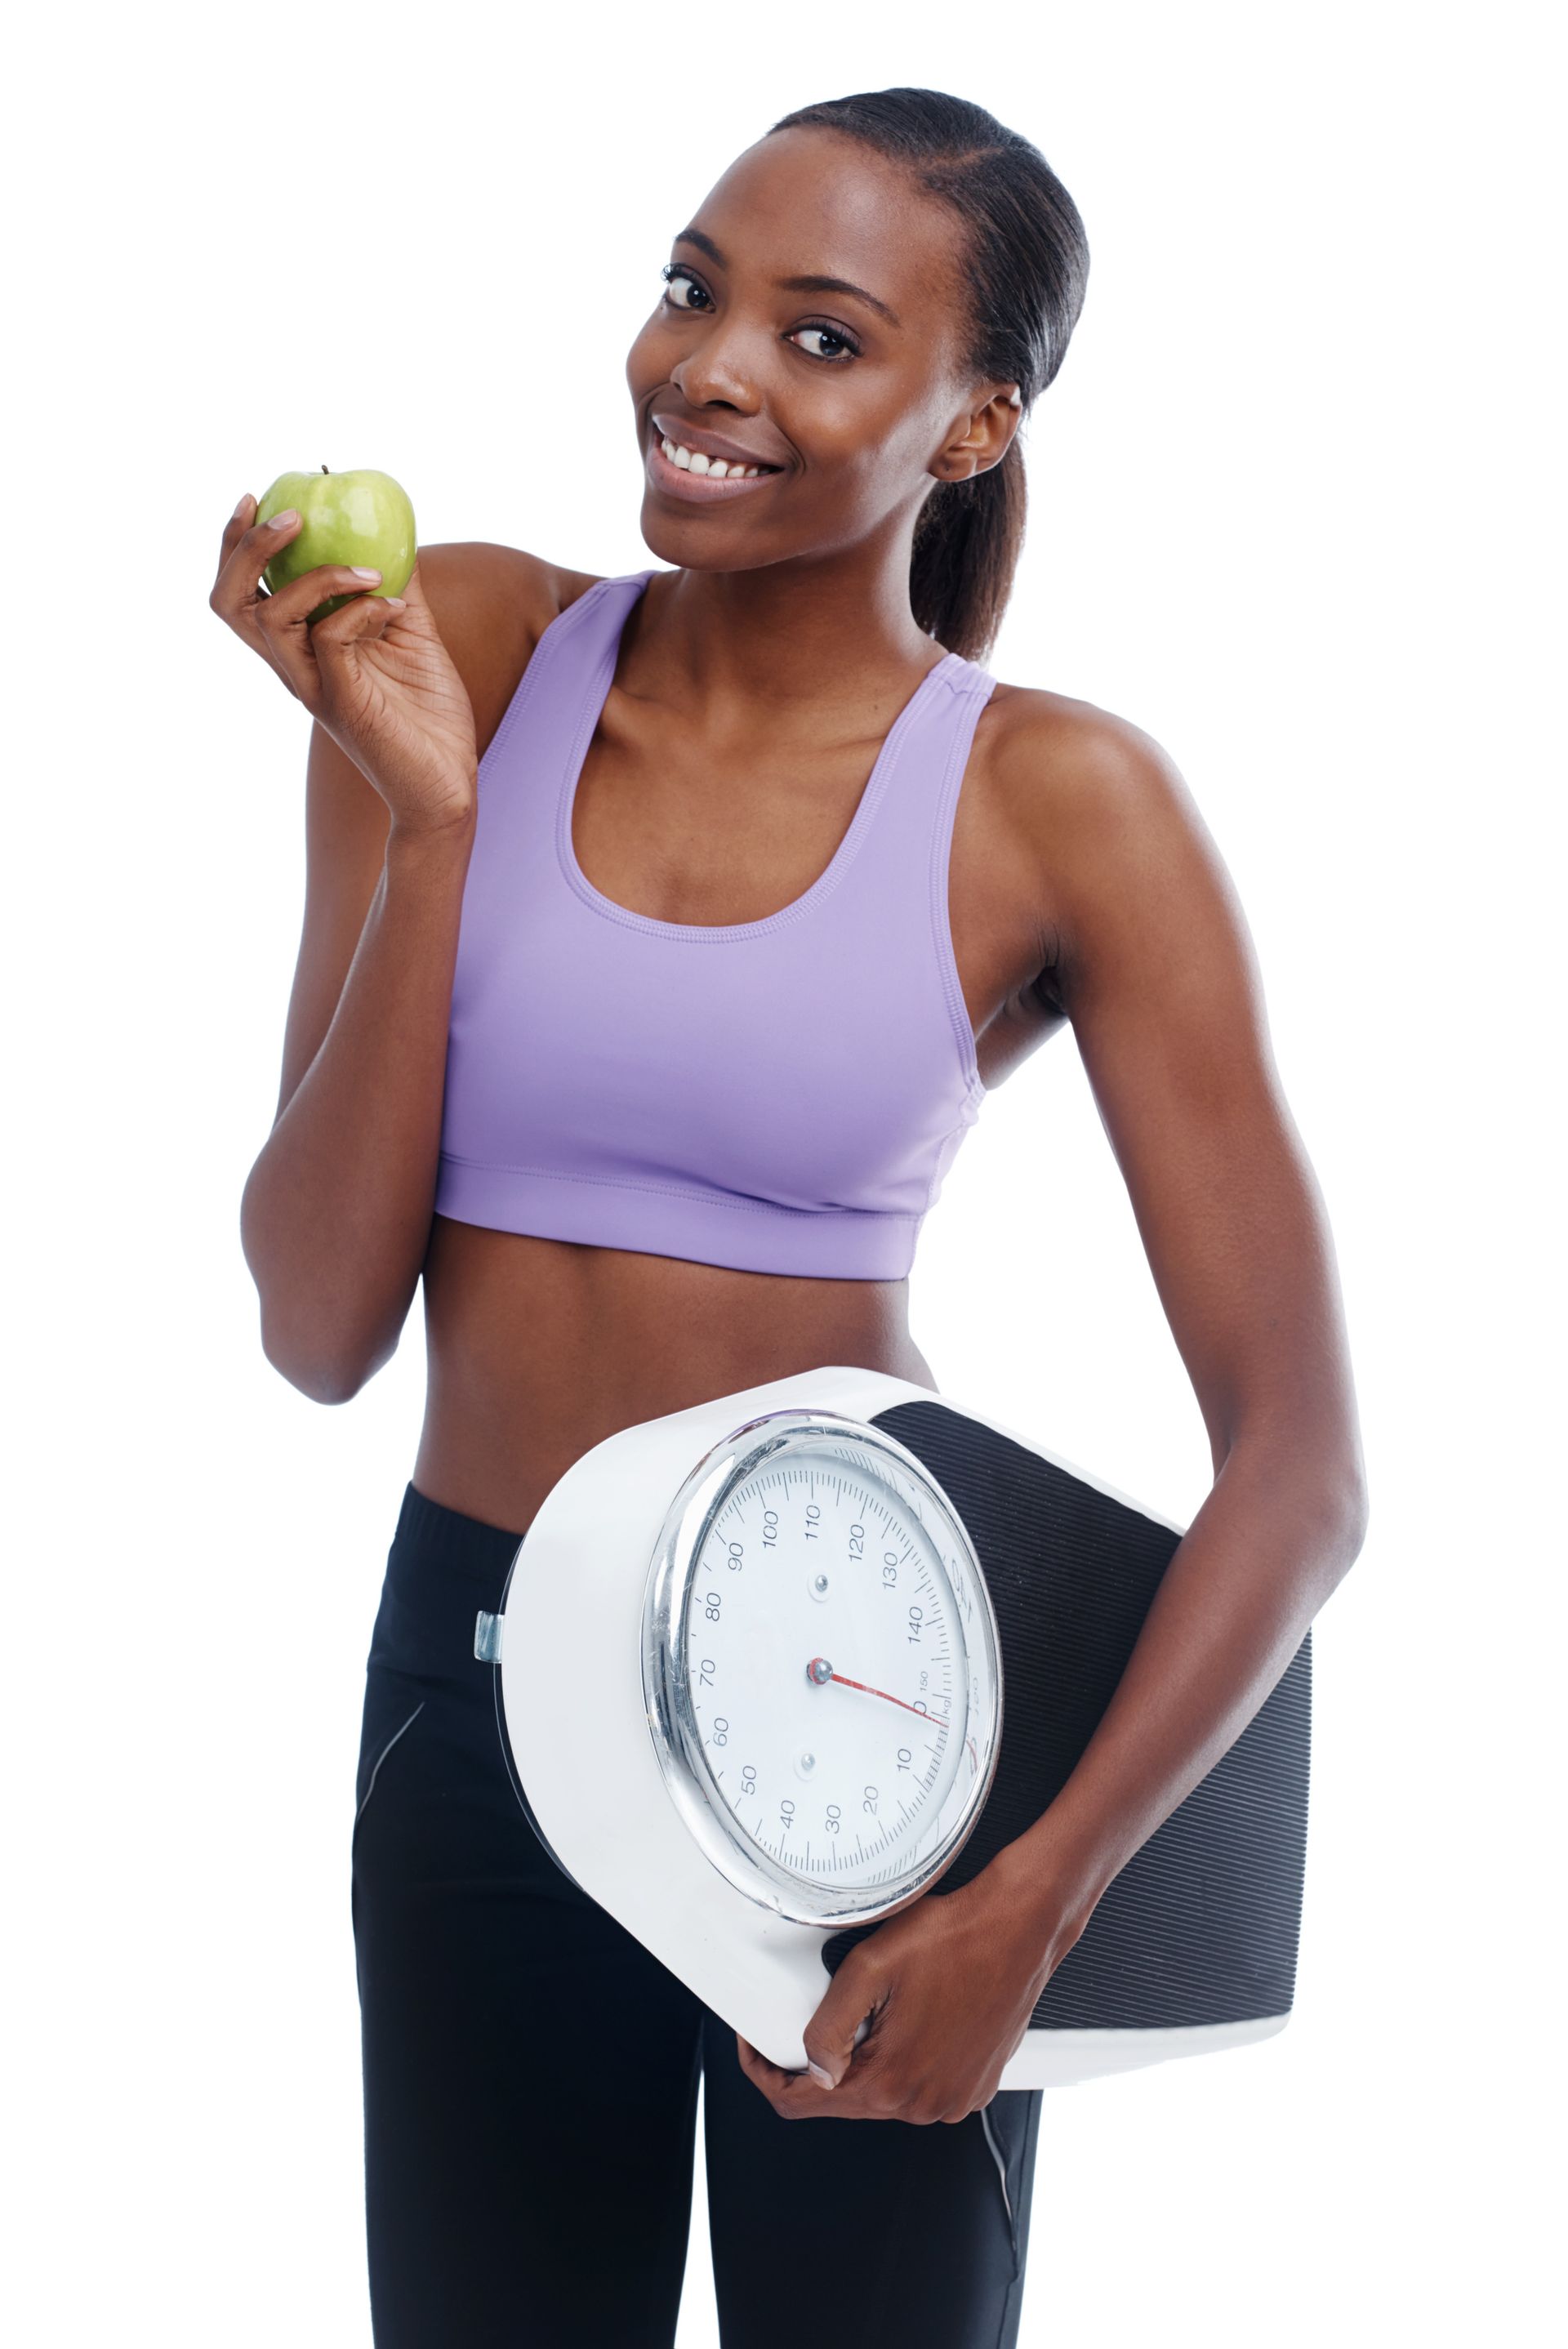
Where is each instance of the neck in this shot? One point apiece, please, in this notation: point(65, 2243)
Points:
point(809, 634)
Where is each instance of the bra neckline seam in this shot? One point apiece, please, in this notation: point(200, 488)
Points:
point(952, 670)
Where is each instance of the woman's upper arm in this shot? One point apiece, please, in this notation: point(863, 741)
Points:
point(1158, 975)
point(491, 604)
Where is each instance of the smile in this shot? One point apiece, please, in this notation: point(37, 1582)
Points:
point(690, 473)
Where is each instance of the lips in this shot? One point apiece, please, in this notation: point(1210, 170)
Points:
point(710, 444)
point(686, 488)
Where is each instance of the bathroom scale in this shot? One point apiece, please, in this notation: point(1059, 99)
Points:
point(769, 1668)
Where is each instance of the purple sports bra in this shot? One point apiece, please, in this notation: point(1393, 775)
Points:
point(780, 1096)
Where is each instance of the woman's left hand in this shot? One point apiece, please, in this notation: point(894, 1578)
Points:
point(949, 1984)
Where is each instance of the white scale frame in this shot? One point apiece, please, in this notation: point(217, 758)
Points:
point(615, 1780)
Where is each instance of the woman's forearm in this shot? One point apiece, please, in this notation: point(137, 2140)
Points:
point(1269, 1544)
point(336, 1217)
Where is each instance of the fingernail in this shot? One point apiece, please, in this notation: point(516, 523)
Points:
point(394, 603)
point(281, 522)
point(239, 509)
point(360, 571)
point(824, 2079)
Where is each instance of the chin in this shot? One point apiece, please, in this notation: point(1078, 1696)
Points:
point(703, 544)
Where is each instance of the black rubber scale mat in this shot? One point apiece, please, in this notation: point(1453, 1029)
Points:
point(1202, 1923)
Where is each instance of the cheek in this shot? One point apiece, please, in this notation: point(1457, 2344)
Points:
point(909, 440)
point(843, 415)
point(866, 450)
point(871, 416)
point(649, 361)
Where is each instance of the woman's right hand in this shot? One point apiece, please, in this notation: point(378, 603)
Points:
point(375, 673)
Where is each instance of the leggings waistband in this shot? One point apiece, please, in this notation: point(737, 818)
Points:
point(449, 1535)
point(442, 1568)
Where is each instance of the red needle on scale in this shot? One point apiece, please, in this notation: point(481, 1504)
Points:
point(819, 1672)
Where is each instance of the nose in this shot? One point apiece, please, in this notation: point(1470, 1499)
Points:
point(715, 373)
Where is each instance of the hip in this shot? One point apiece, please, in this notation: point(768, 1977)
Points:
point(434, 1800)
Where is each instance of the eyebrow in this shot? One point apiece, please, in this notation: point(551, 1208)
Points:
point(809, 285)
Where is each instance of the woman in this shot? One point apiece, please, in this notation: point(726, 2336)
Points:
point(765, 790)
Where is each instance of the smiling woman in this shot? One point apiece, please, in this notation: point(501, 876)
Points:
point(664, 935)
point(992, 308)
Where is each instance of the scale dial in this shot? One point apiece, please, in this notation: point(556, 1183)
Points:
point(821, 1668)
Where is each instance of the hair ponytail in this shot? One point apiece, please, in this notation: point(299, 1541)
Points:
point(967, 545)
point(1027, 269)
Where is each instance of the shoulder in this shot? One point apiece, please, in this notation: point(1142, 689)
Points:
point(468, 579)
point(1061, 762)
point(1111, 833)
point(492, 604)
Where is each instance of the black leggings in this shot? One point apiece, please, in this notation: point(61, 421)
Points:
point(530, 2072)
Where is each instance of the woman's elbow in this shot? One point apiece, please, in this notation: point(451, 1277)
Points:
point(324, 1375)
point(1359, 1512)
point(1345, 1511)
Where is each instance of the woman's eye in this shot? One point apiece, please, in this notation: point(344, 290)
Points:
point(675, 276)
point(845, 348)
point(684, 292)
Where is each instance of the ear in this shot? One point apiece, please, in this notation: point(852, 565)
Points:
point(980, 437)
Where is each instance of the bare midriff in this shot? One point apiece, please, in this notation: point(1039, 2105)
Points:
point(539, 1349)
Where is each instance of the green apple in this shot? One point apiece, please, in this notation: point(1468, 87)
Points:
point(363, 517)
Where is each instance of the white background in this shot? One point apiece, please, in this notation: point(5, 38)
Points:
point(1297, 510)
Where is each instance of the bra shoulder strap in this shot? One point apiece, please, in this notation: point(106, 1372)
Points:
point(910, 827)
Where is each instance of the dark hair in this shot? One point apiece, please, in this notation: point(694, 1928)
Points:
point(1027, 266)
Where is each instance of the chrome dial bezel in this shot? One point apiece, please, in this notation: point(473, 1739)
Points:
point(672, 1723)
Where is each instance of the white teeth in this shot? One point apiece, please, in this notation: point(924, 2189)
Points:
point(692, 460)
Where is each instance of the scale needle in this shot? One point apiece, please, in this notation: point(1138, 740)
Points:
point(819, 1672)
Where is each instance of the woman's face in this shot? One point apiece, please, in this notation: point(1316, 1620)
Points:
point(858, 402)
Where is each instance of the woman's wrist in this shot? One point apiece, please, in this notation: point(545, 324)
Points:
point(1043, 1881)
point(434, 844)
